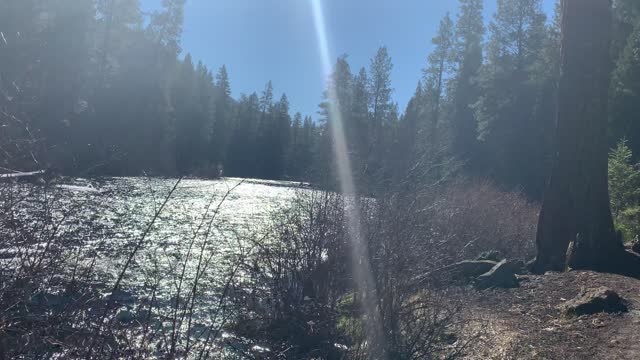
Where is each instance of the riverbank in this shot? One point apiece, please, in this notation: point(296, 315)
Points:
point(242, 268)
point(528, 322)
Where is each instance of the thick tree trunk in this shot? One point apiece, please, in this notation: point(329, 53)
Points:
point(576, 201)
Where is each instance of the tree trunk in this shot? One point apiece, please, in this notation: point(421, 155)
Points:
point(576, 201)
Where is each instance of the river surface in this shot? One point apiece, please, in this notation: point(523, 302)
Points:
point(215, 215)
point(199, 230)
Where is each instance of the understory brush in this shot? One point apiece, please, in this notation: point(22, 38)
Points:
point(303, 301)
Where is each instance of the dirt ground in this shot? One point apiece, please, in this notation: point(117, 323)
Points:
point(525, 322)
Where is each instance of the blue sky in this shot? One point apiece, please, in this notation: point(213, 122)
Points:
point(261, 40)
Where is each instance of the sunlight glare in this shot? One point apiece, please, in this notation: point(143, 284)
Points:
point(360, 258)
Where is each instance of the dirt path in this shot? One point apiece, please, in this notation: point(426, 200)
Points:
point(525, 323)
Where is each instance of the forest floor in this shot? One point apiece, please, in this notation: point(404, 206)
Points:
point(526, 323)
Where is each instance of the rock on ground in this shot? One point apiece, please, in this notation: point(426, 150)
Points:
point(593, 301)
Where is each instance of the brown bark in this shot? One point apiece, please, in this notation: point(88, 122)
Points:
point(576, 200)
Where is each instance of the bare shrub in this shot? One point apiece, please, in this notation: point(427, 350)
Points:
point(475, 216)
point(295, 277)
point(304, 302)
point(47, 295)
point(46, 291)
point(420, 229)
point(419, 321)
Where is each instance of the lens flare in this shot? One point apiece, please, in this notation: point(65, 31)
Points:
point(360, 257)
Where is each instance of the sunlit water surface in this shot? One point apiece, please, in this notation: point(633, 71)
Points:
point(215, 218)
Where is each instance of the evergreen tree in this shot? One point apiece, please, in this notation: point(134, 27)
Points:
point(381, 109)
point(380, 92)
point(183, 103)
point(275, 140)
point(438, 66)
point(222, 116)
point(624, 190)
point(295, 146)
point(625, 94)
point(116, 20)
point(264, 131)
point(167, 25)
point(467, 58)
point(435, 77)
point(624, 179)
point(64, 58)
point(241, 159)
point(544, 79)
point(505, 111)
point(281, 138)
point(357, 129)
point(334, 111)
point(408, 149)
point(266, 100)
point(308, 149)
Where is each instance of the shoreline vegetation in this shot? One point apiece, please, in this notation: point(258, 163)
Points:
point(268, 275)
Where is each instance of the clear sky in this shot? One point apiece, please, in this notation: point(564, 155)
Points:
point(261, 40)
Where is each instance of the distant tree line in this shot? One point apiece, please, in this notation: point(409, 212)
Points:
point(103, 85)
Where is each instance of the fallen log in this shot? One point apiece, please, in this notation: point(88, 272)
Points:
point(21, 175)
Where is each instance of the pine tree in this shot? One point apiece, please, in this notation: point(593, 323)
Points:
point(281, 138)
point(116, 19)
point(408, 150)
point(242, 150)
point(435, 77)
point(627, 11)
point(265, 127)
point(275, 140)
point(624, 179)
point(222, 117)
point(467, 58)
point(438, 66)
point(545, 74)
point(266, 100)
point(505, 111)
point(624, 190)
point(380, 91)
point(357, 129)
point(308, 149)
point(625, 94)
point(183, 103)
point(296, 129)
point(335, 112)
point(380, 107)
point(167, 25)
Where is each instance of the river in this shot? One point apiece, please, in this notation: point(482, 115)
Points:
point(200, 230)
